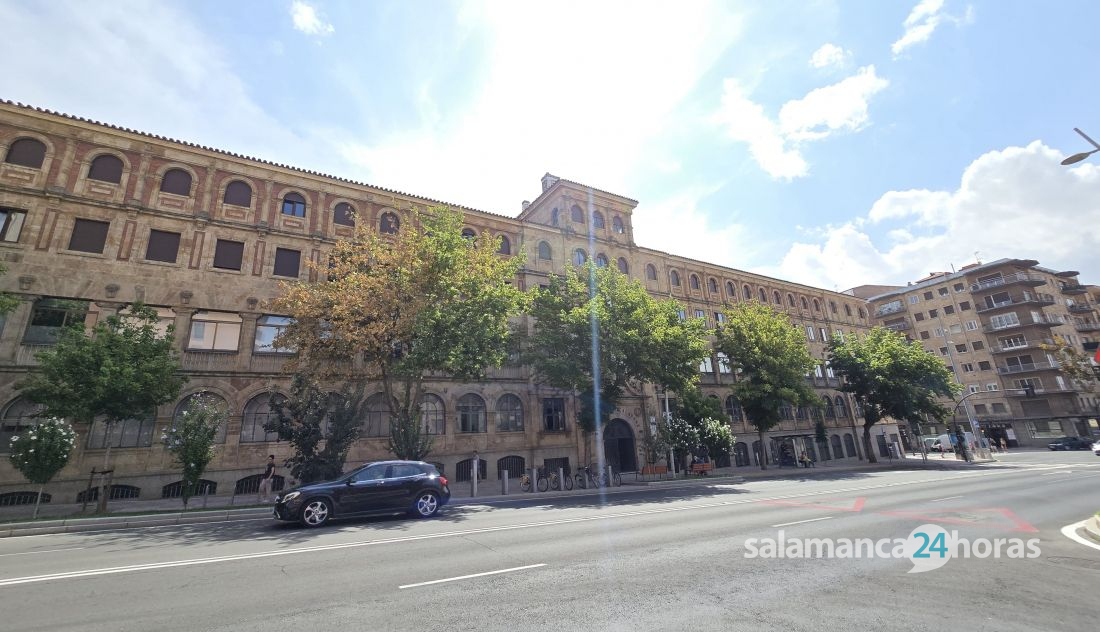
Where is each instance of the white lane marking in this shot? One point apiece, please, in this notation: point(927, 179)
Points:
point(787, 524)
point(78, 548)
point(1070, 531)
point(461, 577)
point(936, 500)
point(1058, 472)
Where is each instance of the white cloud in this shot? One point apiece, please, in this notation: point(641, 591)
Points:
point(824, 111)
point(677, 225)
point(841, 106)
point(923, 20)
point(829, 55)
point(307, 20)
point(1016, 202)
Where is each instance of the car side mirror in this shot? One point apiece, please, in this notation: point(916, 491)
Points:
point(348, 482)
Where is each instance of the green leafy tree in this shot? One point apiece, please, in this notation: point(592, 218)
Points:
point(892, 377)
point(773, 359)
point(716, 436)
point(320, 426)
point(1075, 363)
point(190, 440)
point(655, 443)
point(125, 369)
point(396, 307)
point(694, 406)
point(41, 452)
point(637, 339)
point(821, 436)
point(8, 302)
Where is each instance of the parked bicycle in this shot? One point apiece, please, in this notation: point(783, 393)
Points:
point(525, 482)
point(588, 476)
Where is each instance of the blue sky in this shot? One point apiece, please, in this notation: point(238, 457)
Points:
point(832, 143)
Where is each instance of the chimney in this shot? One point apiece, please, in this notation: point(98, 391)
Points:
point(549, 181)
point(526, 204)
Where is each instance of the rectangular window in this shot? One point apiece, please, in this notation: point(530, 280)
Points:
point(824, 335)
point(956, 329)
point(959, 287)
point(810, 333)
point(163, 246)
point(980, 409)
point(924, 335)
point(553, 414)
point(973, 388)
point(992, 387)
point(839, 335)
point(998, 407)
point(268, 328)
point(939, 332)
point(913, 300)
point(919, 316)
point(933, 313)
point(943, 291)
point(228, 255)
point(964, 306)
point(1045, 429)
point(977, 345)
point(819, 371)
point(11, 224)
point(943, 351)
point(50, 316)
point(984, 365)
point(829, 370)
point(949, 309)
point(723, 363)
point(968, 368)
point(682, 314)
point(960, 348)
point(89, 236)
point(214, 331)
point(719, 318)
point(287, 262)
point(927, 296)
point(1000, 321)
point(707, 365)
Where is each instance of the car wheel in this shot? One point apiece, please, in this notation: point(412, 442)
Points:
point(316, 512)
point(427, 504)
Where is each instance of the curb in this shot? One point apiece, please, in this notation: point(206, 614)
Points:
point(1092, 528)
point(76, 525)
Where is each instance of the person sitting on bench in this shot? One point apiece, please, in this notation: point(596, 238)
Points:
point(804, 459)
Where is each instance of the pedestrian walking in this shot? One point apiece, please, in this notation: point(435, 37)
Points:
point(1004, 445)
point(264, 492)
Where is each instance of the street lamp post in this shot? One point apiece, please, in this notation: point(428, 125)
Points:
point(1078, 157)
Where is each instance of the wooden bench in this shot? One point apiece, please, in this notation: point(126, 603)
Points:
point(654, 469)
point(701, 468)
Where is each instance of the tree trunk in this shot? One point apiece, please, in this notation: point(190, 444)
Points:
point(867, 444)
point(104, 486)
point(37, 501)
point(763, 453)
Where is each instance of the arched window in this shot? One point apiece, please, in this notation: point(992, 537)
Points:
point(258, 412)
point(832, 306)
point(623, 266)
point(509, 414)
point(544, 251)
point(469, 234)
point(763, 296)
point(26, 152)
point(838, 451)
point(579, 257)
point(20, 415)
point(790, 299)
point(601, 260)
point(471, 413)
point(674, 277)
point(731, 290)
point(841, 408)
point(185, 405)
point(617, 225)
point(817, 305)
point(176, 182)
point(597, 220)
point(576, 214)
point(862, 314)
point(238, 194)
point(733, 408)
point(848, 310)
point(389, 223)
point(805, 305)
point(778, 299)
point(128, 433)
point(432, 414)
point(376, 422)
point(712, 285)
point(106, 168)
point(294, 205)
point(343, 214)
point(554, 217)
point(694, 280)
point(650, 272)
point(514, 465)
point(747, 292)
point(505, 245)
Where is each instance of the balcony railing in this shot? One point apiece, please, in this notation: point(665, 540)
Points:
point(209, 360)
point(902, 326)
point(1081, 308)
point(1073, 288)
point(1024, 299)
point(25, 356)
point(1008, 279)
point(1043, 320)
point(1087, 326)
point(1029, 344)
point(890, 308)
point(1027, 368)
point(1042, 390)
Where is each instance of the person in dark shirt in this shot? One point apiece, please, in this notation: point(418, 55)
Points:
point(267, 479)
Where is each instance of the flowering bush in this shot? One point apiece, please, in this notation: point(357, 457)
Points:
point(190, 439)
point(42, 451)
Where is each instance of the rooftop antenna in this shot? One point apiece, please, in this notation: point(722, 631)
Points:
point(977, 257)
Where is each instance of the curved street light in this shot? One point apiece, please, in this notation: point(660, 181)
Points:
point(1078, 157)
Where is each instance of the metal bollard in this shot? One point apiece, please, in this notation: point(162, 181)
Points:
point(504, 483)
point(473, 481)
point(610, 478)
point(561, 479)
point(534, 479)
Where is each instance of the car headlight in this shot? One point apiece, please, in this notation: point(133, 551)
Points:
point(291, 496)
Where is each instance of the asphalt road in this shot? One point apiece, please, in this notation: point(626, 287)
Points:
point(669, 559)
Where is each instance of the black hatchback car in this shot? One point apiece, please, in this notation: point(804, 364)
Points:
point(1070, 443)
point(385, 487)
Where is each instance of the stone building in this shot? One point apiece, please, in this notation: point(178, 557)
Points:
point(95, 216)
point(987, 321)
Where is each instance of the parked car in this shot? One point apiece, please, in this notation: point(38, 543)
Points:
point(1096, 447)
point(1070, 443)
point(385, 487)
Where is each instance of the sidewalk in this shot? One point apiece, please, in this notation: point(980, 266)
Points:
point(166, 512)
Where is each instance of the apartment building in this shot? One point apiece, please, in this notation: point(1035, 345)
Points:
point(988, 322)
point(94, 217)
